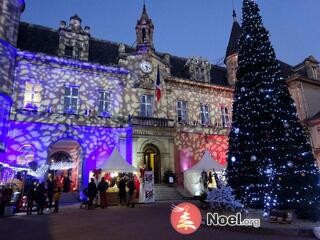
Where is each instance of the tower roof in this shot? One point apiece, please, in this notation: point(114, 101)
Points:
point(234, 37)
point(145, 17)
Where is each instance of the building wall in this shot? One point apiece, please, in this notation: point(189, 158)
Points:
point(97, 143)
point(54, 73)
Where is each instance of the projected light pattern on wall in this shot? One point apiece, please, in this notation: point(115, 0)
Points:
point(93, 141)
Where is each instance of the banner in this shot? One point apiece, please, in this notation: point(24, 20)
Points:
point(148, 187)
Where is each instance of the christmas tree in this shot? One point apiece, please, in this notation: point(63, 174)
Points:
point(270, 162)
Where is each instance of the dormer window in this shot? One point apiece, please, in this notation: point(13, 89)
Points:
point(74, 40)
point(198, 69)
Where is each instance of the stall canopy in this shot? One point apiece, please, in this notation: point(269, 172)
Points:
point(116, 163)
point(192, 175)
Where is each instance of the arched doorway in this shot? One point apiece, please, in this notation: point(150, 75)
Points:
point(64, 161)
point(151, 158)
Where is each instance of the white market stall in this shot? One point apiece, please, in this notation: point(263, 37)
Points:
point(192, 176)
point(115, 164)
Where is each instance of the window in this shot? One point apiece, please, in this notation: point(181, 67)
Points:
point(224, 117)
point(104, 103)
point(146, 103)
point(204, 115)
point(32, 96)
point(182, 111)
point(71, 99)
point(68, 51)
point(25, 155)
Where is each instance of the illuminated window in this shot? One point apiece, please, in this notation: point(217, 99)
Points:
point(146, 106)
point(25, 155)
point(71, 94)
point(204, 114)
point(104, 103)
point(182, 111)
point(32, 96)
point(224, 117)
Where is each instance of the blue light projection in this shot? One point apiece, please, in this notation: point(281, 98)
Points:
point(93, 140)
point(5, 104)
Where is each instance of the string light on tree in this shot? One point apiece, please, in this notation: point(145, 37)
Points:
point(272, 151)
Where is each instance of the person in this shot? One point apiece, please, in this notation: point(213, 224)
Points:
point(50, 188)
point(92, 192)
point(41, 197)
point(66, 184)
point(122, 190)
point(30, 198)
point(103, 187)
point(131, 189)
point(56, 197)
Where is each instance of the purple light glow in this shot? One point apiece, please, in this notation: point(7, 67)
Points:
point(70, 62)
point(41, 136)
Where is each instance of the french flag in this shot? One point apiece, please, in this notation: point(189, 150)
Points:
point(158, 89)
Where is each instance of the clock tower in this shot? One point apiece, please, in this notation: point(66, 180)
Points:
point(144, 31)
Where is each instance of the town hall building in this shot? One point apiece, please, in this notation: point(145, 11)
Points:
point(66, 95)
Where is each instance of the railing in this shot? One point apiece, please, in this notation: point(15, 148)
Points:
point(154, 122)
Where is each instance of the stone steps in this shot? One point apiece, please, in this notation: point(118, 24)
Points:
point(163, 192)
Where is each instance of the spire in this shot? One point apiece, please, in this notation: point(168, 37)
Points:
point(234, 36)
point(144, 31)
point(144, 14)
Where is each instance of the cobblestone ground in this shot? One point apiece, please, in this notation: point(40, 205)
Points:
point(144, 222)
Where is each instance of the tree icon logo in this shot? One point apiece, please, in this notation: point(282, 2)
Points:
point(185, 218)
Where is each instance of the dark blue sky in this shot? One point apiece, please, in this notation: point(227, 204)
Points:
point(189, 27)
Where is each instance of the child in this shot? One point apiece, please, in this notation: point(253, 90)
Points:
point(56, 198)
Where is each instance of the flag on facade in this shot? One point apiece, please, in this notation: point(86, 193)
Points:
point(158, 89)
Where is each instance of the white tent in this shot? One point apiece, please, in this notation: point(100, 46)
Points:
point(116, 163)
point(192, 175)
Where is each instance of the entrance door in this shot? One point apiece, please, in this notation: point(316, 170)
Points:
point(151, 159)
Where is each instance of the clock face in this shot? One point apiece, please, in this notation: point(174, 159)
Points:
point(146, 67)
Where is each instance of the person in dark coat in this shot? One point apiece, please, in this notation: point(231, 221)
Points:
point(92, 193)
point(41, 197)
point(103, 187)
point(66, 184)
point(122, 190)
point(50, 189)
point(131, 188)
point(30, 199)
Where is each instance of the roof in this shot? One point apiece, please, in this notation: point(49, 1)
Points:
point(116, 163)
point(35, 38)
point(233, 40)
point(207, 163)
point(315, 117)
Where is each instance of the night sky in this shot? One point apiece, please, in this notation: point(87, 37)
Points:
point(189, 27)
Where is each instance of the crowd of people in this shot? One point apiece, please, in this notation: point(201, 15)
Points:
point(42, 194)
point(126, 187)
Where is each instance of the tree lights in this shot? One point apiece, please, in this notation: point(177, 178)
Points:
point(270, 163)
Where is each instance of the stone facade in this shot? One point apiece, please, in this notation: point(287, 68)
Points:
point(101, 95)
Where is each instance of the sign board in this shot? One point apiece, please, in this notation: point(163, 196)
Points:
point(148, 187)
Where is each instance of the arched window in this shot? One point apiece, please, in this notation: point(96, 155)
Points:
point(25, 155)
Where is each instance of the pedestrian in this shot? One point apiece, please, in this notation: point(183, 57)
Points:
point(131, 190)
point(122, 190)
point(50, 188)
point(92, 193)
point(41, 198)
point(66, 184)
point(30, 199)
point(56, 197)
point(103, 187)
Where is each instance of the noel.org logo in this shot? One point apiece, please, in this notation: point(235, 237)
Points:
point(185, 218)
